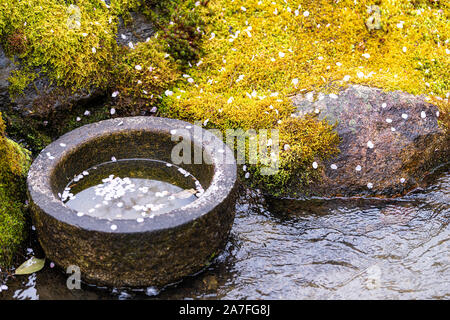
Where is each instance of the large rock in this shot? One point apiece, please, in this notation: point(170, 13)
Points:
point(390, 141)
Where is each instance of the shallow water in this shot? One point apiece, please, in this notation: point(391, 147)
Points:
point(334, 249)
point(130, 189)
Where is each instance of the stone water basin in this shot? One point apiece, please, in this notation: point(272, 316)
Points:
point(148, 246)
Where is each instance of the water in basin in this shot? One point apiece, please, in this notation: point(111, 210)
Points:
point(131, 189)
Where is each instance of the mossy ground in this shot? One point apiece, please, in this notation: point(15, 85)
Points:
point(259, 53)
point(234, 63)
point(14, 163)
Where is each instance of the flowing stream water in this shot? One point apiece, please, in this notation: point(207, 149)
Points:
point(318, 249)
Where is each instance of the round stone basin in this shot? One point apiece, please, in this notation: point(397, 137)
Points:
point(123, 252)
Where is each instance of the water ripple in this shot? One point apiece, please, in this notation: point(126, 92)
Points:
point(320, 249)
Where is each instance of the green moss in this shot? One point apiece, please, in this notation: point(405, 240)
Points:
point(77, 51)
point(143, 74)
point(69, 120)
point(12, 227)
point(35, 134)
point(19, 80)
point(14, 164)
point(78, 57)
point(77, 48)
point(31, 131)
point(180, 27)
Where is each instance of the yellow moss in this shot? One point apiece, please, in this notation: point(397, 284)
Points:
point(258, 53)
point(77, 49)
point(14, 161)
point(12, 227)
point(77, 56)
point(313, 140)
point(142, 75)
point(19, 81)
point(313, 45)
point(303, 141)
point(2, 127)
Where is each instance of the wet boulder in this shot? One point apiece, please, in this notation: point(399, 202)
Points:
point(390, 141)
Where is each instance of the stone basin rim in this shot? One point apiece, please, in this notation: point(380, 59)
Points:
point(42, 194)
